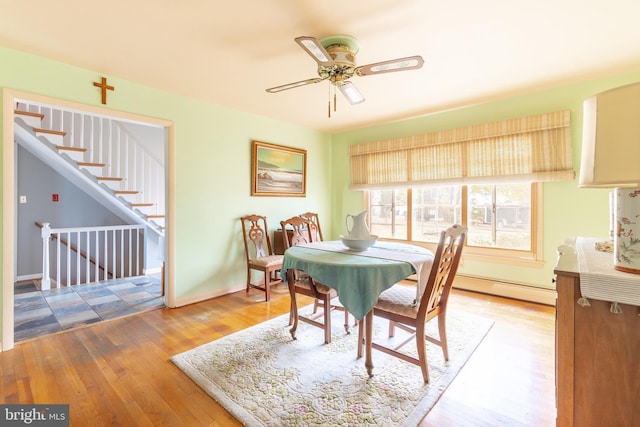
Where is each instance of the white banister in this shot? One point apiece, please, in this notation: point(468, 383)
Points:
point(122, 250)
point(46, 234)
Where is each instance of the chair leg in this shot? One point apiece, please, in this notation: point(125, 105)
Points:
point(267, 285)
point(421, 342)
point(346, 321)
point(293, 316)
point(442, 328)
point(392, 328)
point(293, 311)
point(248, 279)
point(360, 338)
point(327, 320)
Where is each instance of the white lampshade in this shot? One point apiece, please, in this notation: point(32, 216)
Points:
point(611, 139)
point(611, 158)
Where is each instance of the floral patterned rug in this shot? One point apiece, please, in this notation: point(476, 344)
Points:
point(264, 378)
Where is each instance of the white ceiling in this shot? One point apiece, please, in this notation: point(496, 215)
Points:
point(229, 52)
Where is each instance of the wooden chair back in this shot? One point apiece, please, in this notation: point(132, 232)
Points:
point(259, 253)
point(443, 271)
point(256, 236)
point(314, 221)
point(300, 231)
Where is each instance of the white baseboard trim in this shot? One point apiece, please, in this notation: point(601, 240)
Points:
point(506, 289)
point(36, 276)
point(150, 271)
point(475, 284)
point(180, 302)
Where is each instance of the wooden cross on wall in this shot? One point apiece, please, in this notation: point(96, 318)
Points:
point(103, 88)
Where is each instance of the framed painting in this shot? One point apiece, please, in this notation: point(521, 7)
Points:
point(278, 171)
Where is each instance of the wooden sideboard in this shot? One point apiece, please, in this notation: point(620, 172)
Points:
point(278, 243)
point(597, 358)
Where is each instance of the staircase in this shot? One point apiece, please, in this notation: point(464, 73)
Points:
point(100, 155)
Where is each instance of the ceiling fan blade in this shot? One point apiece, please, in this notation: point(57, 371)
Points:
point(351, 92)
point(313, 47)
point(400, 64)
point(294, 85)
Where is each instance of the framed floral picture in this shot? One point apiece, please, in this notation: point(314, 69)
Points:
point(277, 170)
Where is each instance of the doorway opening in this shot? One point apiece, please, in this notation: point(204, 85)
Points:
point(11, 273)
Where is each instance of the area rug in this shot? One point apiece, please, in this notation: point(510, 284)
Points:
point(265, 378)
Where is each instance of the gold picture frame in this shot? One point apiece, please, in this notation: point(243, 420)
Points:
point(277, 170)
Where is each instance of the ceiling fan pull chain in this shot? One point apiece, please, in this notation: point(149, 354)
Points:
point(329, 103)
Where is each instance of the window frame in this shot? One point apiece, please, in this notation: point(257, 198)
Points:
point(528, 258)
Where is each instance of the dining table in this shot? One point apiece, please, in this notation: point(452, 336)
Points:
point(360, 276)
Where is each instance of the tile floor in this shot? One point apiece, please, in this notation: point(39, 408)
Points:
point(38, 313)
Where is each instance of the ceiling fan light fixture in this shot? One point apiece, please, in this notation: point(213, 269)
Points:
point(352, 93)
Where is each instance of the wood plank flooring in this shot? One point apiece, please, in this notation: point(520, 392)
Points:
point(118, 373)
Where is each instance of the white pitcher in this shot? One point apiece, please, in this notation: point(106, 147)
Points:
point(358, 228)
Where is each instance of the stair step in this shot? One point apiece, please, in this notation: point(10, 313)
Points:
point(49, 131)
point(55, 137)
point(91, 165)
point(75, 153)
point(94, 169)
point(128, 195)
point(65, 148)
point(158, 220)
point(29, 114)
point(145, 208)
point(111, 182)
point(33, 120)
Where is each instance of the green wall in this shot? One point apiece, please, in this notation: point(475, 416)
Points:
point(212, 165)
point(568, 210)
point(213, 157)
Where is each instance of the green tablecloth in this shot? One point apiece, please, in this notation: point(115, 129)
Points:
point(359, 277)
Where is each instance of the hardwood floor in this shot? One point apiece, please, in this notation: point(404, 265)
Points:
point(118, 372)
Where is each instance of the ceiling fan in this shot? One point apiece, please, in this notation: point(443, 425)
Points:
point(336, 58)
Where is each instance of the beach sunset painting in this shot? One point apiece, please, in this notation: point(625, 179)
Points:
point(278, 170)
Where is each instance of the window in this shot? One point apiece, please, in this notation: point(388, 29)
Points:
point(419, 184)
point(500, 217)
point(388, 214)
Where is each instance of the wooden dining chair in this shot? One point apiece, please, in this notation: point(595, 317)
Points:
point(313, 218)
point(259, 253)
point(316, 236)
point(398, 304)
point(301, 283)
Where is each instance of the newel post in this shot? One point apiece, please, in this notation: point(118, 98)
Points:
point(46, 235)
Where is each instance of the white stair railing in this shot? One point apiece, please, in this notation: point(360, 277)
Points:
point(105, 142)
point(91, 254)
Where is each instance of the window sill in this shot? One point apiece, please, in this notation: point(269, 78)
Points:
point(511, 260)
point(500, 256)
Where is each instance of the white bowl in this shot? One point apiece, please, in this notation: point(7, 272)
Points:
point(359, 244)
